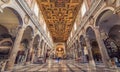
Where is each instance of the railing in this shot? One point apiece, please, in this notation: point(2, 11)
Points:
point(86, 18)
point(33, 18)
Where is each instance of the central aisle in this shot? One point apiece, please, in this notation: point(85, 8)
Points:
point(62, 66)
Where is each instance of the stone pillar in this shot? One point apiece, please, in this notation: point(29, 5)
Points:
point(40, 48)
point(33, 56)
point(45, 51)
point(43, 48)
point(77, 49)
point(91, 60)
point(72, 52)
point(82, 56)
point(10, 63)
point(104, 54)
point(38, 52)
point(30, 50)
point(70, 55)
point(73, 49)
point(26, 54)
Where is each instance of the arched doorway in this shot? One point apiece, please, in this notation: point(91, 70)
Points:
point(109, 27)
point(10, 21)
point(24, 54)
point(6, 43)
point(95, 48)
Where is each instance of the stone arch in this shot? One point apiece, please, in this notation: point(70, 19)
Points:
point(84, 50)
point(87, 27)
point(29, 30)
point(16, 12)
point(112, 42)
point(10, 20)
point(25, 45)
point(35, 48)
point(36, 39)
point(114, 33)
point(101, 13)
point(94, 44)
point(108, 23)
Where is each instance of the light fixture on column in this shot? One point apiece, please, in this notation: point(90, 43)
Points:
point(119, 31)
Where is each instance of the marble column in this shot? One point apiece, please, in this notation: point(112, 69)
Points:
point(26, 54)
point(30, 50)
point(46, 48)
point(77, 49)
point(33, 56)
point(72, 52)
point(73, 49)
point(82, 56)
point(38, 52)
point(10, 63)
point(40, 48)
point(104, 54)
point(43, 49)
point(89, 48)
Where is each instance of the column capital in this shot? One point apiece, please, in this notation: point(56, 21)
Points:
point(96, 28)
point(86, 36)
point(20, 27)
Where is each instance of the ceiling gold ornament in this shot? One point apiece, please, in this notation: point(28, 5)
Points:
point(60, 16)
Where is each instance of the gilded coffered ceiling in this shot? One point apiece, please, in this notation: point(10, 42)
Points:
point(59, 16)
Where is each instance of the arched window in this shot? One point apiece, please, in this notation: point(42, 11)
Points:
point(71, 34)
point(83, 9)
point(44, 26)
point(75, 26)
point(36, 9)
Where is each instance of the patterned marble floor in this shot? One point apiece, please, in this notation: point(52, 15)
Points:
point(62, 66)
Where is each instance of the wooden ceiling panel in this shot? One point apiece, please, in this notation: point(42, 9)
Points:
point(60, 16)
